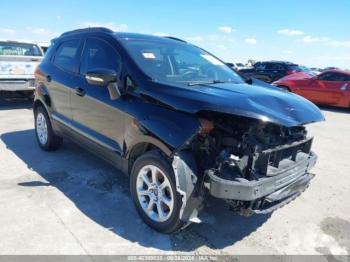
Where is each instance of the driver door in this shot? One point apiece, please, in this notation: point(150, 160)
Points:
point(95, 115)
point(327, 88)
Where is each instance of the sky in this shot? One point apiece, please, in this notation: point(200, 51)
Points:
point(309, 32)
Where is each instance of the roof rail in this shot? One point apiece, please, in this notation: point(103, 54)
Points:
point(88, 29)
point(175, 38)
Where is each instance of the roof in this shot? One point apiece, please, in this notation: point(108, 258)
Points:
point(87, 30)
point(136, 36)
point(121, 35)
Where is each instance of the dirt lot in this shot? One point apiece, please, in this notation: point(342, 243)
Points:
point(70, 202)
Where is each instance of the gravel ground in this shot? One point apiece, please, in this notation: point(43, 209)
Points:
point(70, 202)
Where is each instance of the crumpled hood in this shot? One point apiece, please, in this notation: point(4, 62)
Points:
point(259, 101)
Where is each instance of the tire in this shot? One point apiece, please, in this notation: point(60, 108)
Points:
point(45, 135)
point(142, 194)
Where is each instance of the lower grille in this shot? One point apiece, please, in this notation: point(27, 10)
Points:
point(271, 162)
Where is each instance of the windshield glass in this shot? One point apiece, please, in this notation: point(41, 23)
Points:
point(178, 62)
point(307, 70)
point(19, 49)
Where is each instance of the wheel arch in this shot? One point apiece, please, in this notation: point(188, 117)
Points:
point(142, 146)
point(38, 103)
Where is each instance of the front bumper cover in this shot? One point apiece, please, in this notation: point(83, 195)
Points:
point(274, 188)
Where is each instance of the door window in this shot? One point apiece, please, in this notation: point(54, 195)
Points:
point(334, 77)
point(99, 54)
point(276, 67)
point(260, 66)
point(326, 77)
point(66, 53)
point(341, 77)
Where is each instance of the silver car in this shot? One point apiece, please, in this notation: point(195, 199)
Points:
point(18, 62)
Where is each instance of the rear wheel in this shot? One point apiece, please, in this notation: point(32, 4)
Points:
point(153, 190)
point(45, 135)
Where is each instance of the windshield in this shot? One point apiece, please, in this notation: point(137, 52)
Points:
point(307, 70)
point(19, 49)
point(178, 62)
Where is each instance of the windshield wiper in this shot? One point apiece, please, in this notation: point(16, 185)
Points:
point(206, 83)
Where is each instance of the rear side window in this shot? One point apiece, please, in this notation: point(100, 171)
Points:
point(341, 77)
point(99, 54)
point(276, 67)
point(269, 66)
point(260, 66)
point(66, 53)
point(334, 77)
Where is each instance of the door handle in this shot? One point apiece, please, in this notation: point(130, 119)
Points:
point(79, 91)
point(48, 78)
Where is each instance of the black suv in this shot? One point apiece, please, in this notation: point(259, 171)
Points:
point(272, 70)
point(177, 120)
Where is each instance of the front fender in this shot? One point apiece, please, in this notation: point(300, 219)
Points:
point(161, 126)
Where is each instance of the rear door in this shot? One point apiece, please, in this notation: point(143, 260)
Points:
point(62, 77)
point(95, 114)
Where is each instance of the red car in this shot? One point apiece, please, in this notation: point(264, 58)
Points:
point(328, 88)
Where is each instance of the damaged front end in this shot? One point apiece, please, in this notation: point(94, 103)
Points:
point(253, 165)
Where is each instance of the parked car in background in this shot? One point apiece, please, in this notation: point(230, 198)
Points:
point(330, 68)
point(316, 70)
point(236, 66)
point(240, 66)
point(18, 61)
point(307, 70)
point(271, 71)
point(177, 120)
point(328, 88)
point(44, 46)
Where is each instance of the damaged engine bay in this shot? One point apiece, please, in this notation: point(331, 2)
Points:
point(233, 148)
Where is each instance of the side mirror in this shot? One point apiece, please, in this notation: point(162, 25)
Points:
point(105, 77)
point(101, 77)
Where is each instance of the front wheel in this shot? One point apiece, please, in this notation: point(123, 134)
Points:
point(153, 190)
point(45, 135)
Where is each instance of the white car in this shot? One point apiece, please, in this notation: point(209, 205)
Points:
point(18, 62)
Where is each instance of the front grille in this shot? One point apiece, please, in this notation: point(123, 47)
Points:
point(271, 162)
